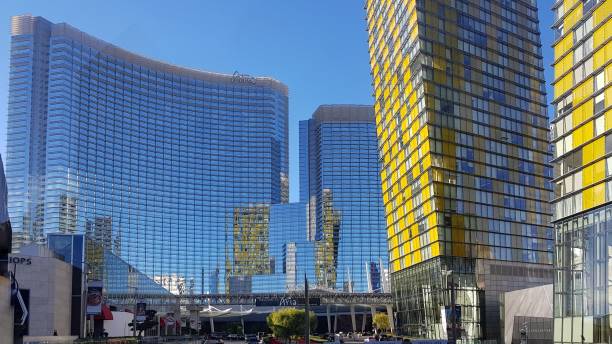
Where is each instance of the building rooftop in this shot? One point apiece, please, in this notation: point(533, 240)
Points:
point(24, 24)
point(344, 113)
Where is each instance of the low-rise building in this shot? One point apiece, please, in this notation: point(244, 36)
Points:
point(526, 315)
point(45, 282)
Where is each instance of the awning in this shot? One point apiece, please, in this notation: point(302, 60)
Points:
point(213, 312)
point(105, 315)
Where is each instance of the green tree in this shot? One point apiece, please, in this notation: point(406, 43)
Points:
point(381, 321)
point(289, 322)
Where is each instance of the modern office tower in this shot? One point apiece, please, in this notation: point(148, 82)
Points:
point(463, 135)
point(150, 155)
point(340, 181)
point(583, 167)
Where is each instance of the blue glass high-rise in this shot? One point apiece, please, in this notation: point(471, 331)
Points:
point(340, 181)
point(146, 157)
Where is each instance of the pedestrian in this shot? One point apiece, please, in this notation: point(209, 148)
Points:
point(55, 333)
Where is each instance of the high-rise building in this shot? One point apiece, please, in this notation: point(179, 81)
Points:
point(463, 131)
point(583, 169)
point(147, 154)
point(340, 181)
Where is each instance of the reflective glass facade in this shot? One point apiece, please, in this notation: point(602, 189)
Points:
point(463, 134)
point(583, 169)
point(145, 157)
point(268, 249)
point(339, 178)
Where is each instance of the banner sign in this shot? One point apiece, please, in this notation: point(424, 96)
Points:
point(141, 311)
point(94, 298)
point(170, 321)
point(287, 302)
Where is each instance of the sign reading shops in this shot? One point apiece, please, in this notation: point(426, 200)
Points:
point(20, 260)
point(287, 301)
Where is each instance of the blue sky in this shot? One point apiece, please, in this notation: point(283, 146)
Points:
point(317, 47)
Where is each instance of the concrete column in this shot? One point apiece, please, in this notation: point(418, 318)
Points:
point(353, 319)
point(363, 323)
point(336, 322)
point(390, 315)
point(329, 328)
point(212, 324)
point(158, 330)
point(373, 310)
point(194, 315)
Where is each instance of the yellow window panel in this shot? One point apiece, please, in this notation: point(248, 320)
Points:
point(599, 194)
point(583, 91)
point(564, 84)
point(577, 138)
point(587, 175)
point(435, 249)
point(394, 253)
point(564, 65)
point(599, 58)
point(394, 241)
point(599, 36)
point(431, 221)
point(433, 235)
point(388, 209)
point(602, 12)
point(587, 131)
point(582, 113)
point(608, 119)
point(427, 207)
point(587, 198)
point(563, 45)
point(570, 20)
point(599, 170)
point(417, 256)
point(593, 150)
point(407, 261)
point(396, 265)
point(608, 96)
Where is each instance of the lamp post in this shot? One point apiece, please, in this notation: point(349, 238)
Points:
point(85, 271)
point(307, 311)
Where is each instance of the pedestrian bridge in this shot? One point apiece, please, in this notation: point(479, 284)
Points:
point(316, 297)
point(240, 305)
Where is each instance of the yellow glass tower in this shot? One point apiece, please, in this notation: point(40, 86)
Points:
point(583, 169)
point(463, 135)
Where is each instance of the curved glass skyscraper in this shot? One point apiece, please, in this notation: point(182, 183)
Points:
point(150, 159)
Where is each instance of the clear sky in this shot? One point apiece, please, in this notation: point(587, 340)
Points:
point(318, 48)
